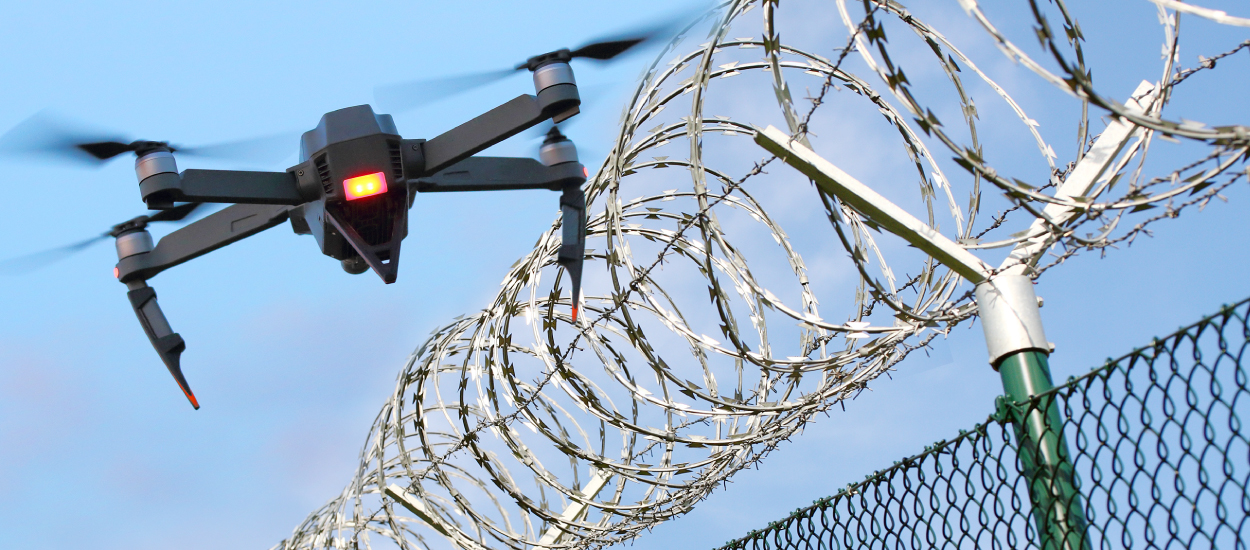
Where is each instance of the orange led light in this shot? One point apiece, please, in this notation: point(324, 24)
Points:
point(364, 186)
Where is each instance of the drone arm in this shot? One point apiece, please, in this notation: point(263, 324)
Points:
point(476, 135)
point(500, 174)
point(214, 231)
point(221, 186)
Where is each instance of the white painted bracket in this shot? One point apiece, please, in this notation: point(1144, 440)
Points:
point(1007, 304)
point(416, 507)
point(549, 539)
point(574, 509)
point(1092, 169)
point(871, 204)
point(1010, 325)
point(1006, 301)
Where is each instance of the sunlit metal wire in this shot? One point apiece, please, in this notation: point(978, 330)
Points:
point(516, 428)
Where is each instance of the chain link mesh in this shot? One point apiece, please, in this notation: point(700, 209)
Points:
point(1155, 438)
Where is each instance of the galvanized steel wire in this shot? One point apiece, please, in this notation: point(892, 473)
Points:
point(516, 428)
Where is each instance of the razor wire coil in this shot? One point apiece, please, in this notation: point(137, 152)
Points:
point(516, 428)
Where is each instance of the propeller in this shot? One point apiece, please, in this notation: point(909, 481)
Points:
point(31, 262)
point(47, 135)
point(403, 96)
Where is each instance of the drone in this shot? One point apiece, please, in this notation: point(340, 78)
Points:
point(352, 188)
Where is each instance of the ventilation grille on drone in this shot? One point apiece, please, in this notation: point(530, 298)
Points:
point(397, 160)
point(323, 172)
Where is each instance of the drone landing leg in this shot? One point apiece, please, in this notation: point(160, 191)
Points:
point(169, 345)
point(573, 238)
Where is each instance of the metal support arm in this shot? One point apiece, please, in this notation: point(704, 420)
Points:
point(232, 224)
point(1014, 337)
point(872, 205)
point(476, 135)
point(500, 174)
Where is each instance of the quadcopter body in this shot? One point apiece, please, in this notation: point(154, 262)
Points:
point(356, 179)
point(354, 183)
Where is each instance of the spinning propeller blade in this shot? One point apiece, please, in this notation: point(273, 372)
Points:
point(31, 262)
point(104, 150)
point(604, 51)
point(404, 96)
point(395, 98)
point(269, 148)
point(606, 48)
point(47, 135)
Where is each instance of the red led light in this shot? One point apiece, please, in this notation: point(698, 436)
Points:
point(115, 273)
point(364, 186)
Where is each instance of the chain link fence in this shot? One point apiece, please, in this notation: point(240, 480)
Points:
point(1157, 452)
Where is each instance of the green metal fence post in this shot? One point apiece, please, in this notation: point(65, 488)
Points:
point(1018, 351)
point(1057, 506)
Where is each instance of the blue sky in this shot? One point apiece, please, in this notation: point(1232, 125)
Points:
point(291, 357)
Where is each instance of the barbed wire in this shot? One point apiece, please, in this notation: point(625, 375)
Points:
point(516, 427)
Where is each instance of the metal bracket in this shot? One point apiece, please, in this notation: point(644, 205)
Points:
point(880, 210)
point(1009, 316)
